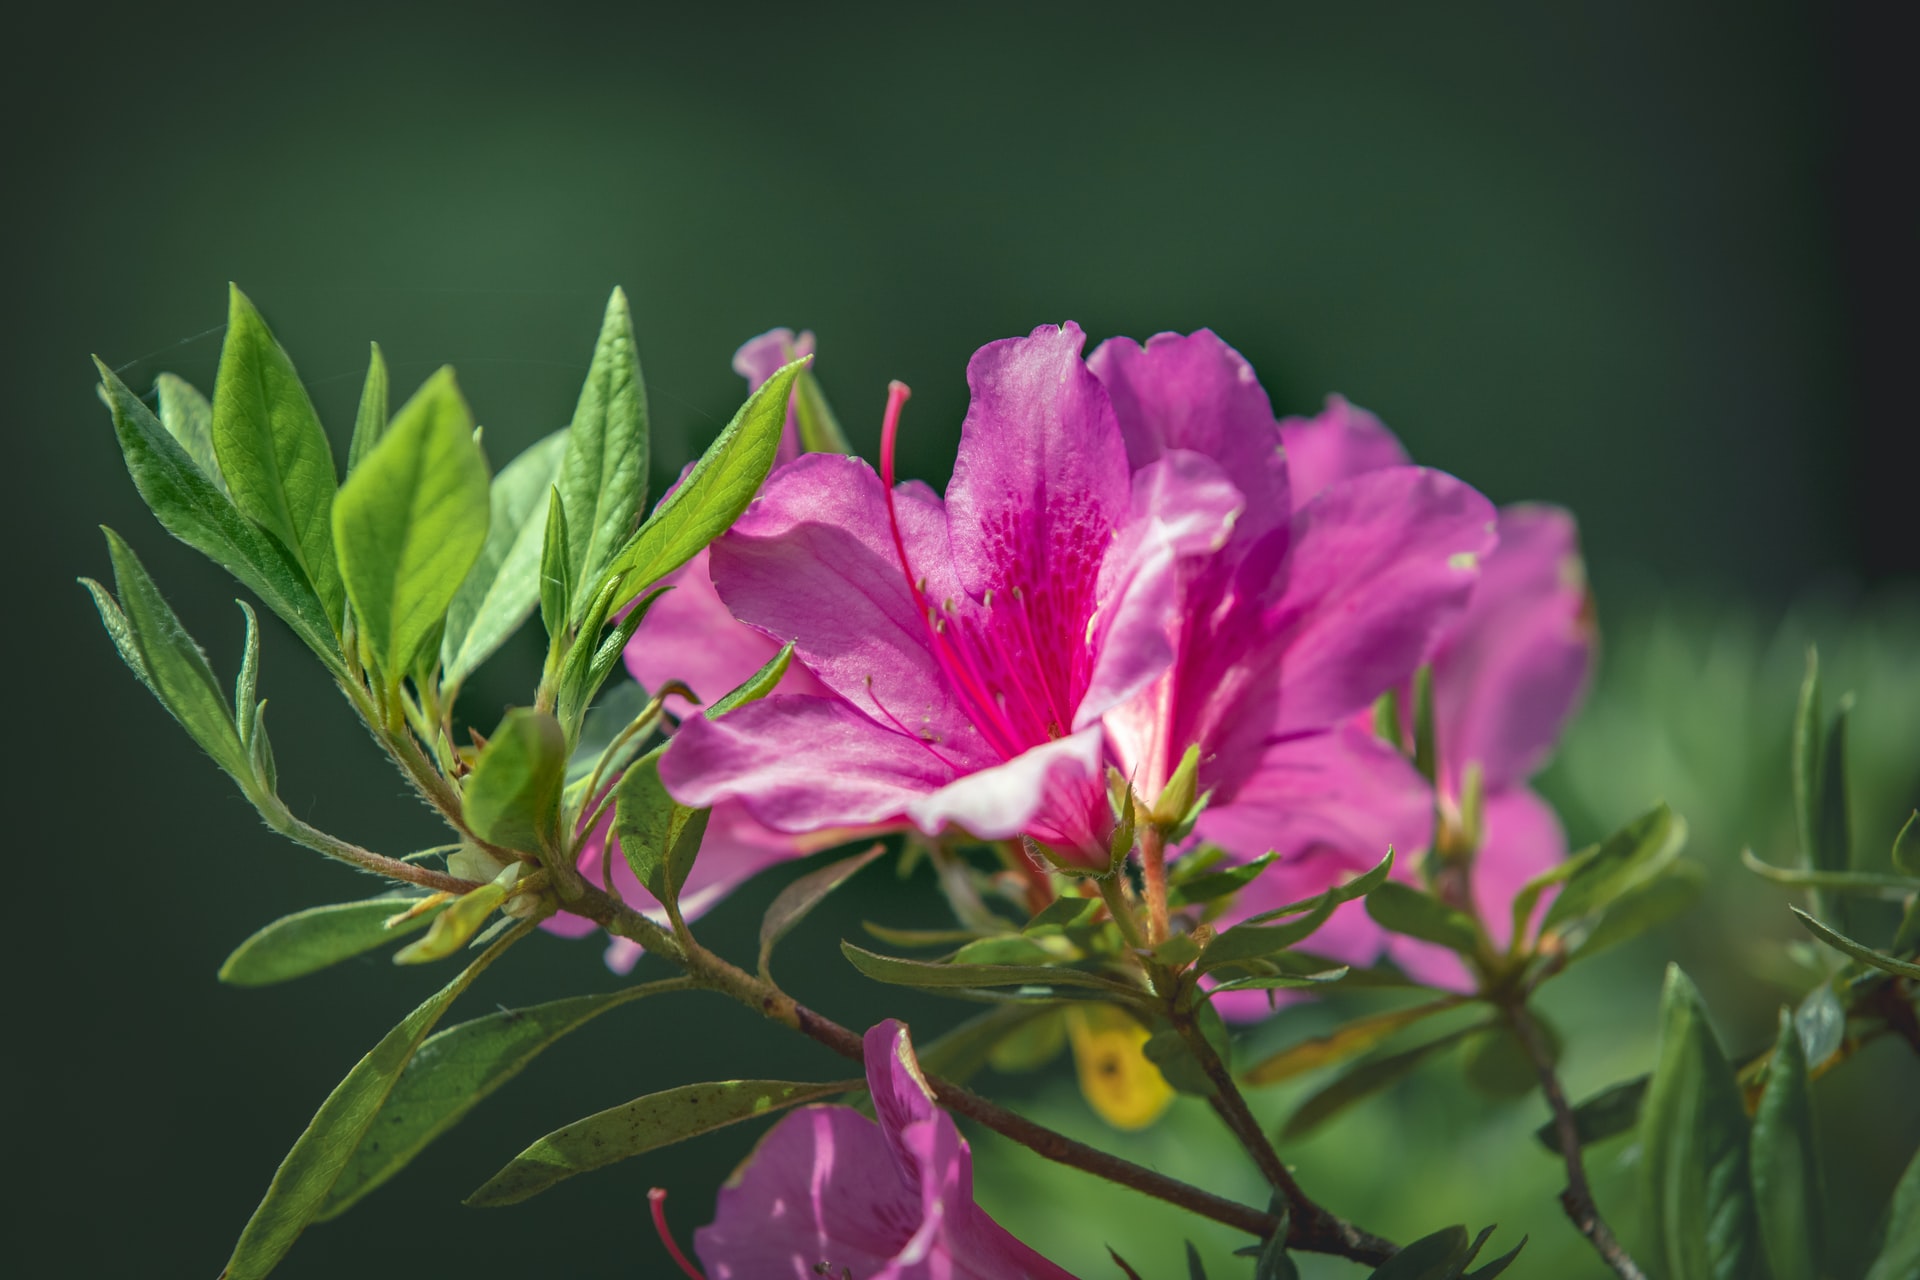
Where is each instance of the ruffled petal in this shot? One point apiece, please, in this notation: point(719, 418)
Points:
point(1195, 392)
point(1340, 442)
point(1054, 793)
point(801, 764)
point(813, 561)
point(1508, 674)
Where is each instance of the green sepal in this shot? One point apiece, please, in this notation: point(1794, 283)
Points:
point(319, 937)
point(307, 1176)
point(273, 452)
point(512, 798)
point(193, 509)
point(643, 1125)
point(188, 417)
point(1700, 1218)
point(1786, 1169)
point(410, 523)
point(370, 420)
point(603, 475)
point(819, 429)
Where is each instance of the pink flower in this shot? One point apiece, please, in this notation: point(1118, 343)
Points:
point(970, 647)
point(831, 1193)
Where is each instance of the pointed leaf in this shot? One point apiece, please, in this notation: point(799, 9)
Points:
point(453, 1071)
point(1700, 1218)
point(194, 510)
point(556, 578)
point(1363, 1081)
point(963, 1052)
point(454, 927)
point(1877, 884)
point(1435, 1257)
point(1348, 1040)
point(1629, 857)
point(188, 418)
point(410, 523)
point(1858, 950)
point(1640, 908)
point(659, 837)
point(1400, 908)
point(932, 975)
point(819, 430)
point(713, 494)
point(803, 895)
point(512, 798)
point(305, 1178)
point(1612, 1111)
point(1786, 1170)
point(504, 585)
point(1906, 846)
point(1899, 1257)
point(370, 422)
point(603, 476)
point(311, 940)
point(643, 1125)
point(272, 450)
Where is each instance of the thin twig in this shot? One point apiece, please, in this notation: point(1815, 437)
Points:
point(1577, 1199)
point(367, 860)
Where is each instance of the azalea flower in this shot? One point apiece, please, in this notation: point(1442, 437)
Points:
point(689, 636)
point(970, 647)
point(830, 1193)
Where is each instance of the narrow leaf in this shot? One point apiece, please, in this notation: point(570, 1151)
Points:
point(1246, 942)
point(1612, 1111)
point(643, 1125)
point(272, 450)
point(512, 798)
point(1874, 883)
point(1786, 1170)
point(603, 477)
point(1400, 908)
point(1433, 1257)
point(1641, 908)
point(1629, 857)
point(311, 940)
point(713, 494)
point(1899, 1257)
point(963, 1052)
point(193, 509)
point(803, 895)
point(1858, 950)
point(410, 523)
point(1349, 1040)
point(1906, 846)
point(453, 1071)
point(556, 578)
point(1700, 1218)
point(1363, 1081)
point(503, 587)
point(305, 1178)
point(454, 927)
point(370, 422)
point(819, 429)
point(188, 418)
point(929, 975)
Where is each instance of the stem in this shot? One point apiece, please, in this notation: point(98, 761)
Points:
point(365, 859)
point(713, 972)
point(1577, 1199)
point(1121, 910)
point(1153, 875)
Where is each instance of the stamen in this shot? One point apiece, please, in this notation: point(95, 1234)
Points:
point(657, 1201)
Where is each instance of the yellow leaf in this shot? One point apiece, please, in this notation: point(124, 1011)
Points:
point(1120, 1084)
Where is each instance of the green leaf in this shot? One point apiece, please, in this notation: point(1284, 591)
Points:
point(191, 508)
point(713, 494)
point(1031, 1045)
point(1626, 859)
point(1641, 908)
point(1822, 1024)
point(603, 477)
point(1402, 909)
point(1169, 1052)
point(370, 422)
point(1906, 846)
point(556, 577)
point(452, 1072)
point(802, 896)
point(593, 656)
point(1218, 884)
point(188, 418)
point(819, 430)
point(963, 1052)
point(1196, 1270)
point(1358, 887)
point(306, 1177)
point(311, 940)
point(410, 523)
point(272, 449)
point(1497, 1064)
point(659, 837)
point(1253, 940)
point(1281, 981)
point(622, 705)
point(1498, 1265)
point(1786, 1171)
point(1346, 1041)
point(1060, 914)
point(455, 926)
point(504, 585)
point(1877, 884)
point(1439, 1256)
point(1809, 751)
point(1700, 1217)
point(1900, 1256)
point(1834, 852)
point(1363, 1081)
point(1858, 950)
point(171, 664)
point(1425, 753)
point(643, 1125)
point(512, 798)
point(756, 686)
point(1612, 1111)
point(933, 975)
point(1006, 948)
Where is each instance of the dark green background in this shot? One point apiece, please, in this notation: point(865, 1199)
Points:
point(1638, 260)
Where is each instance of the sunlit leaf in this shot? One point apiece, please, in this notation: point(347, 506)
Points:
point(308, 941)
point(512, 798)
point(603, 475)
point(188, 417)
point(503, 587)
point(370, 420)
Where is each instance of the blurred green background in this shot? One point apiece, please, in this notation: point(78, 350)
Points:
point(1635, 258)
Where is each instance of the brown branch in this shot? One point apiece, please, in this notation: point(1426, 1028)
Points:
point(1577, 1199)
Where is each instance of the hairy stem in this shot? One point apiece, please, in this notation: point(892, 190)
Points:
point(1153, 877)
point(1577, 1199)
point(367, 860)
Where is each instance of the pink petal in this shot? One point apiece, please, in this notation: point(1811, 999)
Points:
point(1341, 442)
point(1055, 792)
point(813, 561)
point(689, 635)
point(759, 359)
point(1195, 392)
point(802, 764)
point(1509, 673)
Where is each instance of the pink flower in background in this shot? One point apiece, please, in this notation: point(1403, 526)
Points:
point(969, 647)
point(689, 636)
point(829, 1192)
